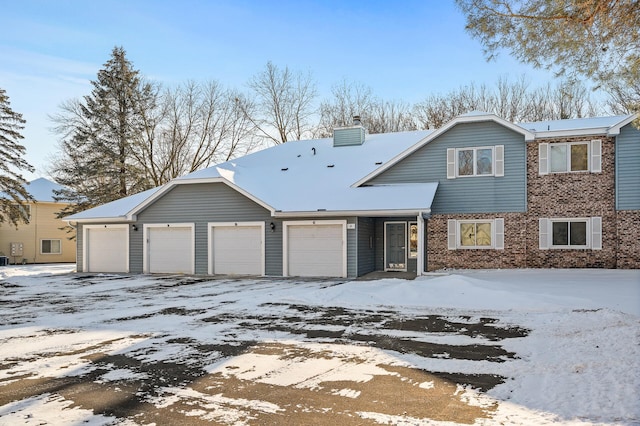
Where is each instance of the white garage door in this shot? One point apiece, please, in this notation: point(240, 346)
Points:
point(106, 249)
point(316, 250)
point(237, 250)
point(170, 249)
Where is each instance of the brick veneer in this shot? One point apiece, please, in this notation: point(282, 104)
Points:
point(555, 195)
point(628, 239)
point(572, 195)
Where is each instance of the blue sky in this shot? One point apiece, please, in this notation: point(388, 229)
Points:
point(404, 50)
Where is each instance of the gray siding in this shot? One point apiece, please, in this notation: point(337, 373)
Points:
point(628, 169)
point(348, 136)
point(200, 204)
point(366, 246)
point(471, 194)
point(412, 264)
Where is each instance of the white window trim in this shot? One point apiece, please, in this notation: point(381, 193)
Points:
point(212, 225)
point(497, 162)
point(594, 157)
point(497, 234)
point(409, 255)
point(593, 233)
point(51, 239)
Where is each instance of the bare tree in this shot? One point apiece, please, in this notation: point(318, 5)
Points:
point(348, 100)
point(194, 126)
point(513, 101)
point(388, 116)
point(284, 103)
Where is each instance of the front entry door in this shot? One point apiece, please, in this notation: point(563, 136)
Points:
point(395, 250)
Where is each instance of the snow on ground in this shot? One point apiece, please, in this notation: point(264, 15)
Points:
point(567, 343)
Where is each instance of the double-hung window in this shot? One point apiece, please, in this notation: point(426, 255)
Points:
point(570, 157)
point(475, 161)
point(476, 234)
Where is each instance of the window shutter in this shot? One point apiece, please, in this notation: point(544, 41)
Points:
point(596, 233)
point(499, 234)
point(596, 156)
point(543, 158)
point(499, 153)
point(544, 227)
point(451, 163)
point(452, 228)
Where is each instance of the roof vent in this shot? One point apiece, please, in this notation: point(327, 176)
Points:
point(349, 135)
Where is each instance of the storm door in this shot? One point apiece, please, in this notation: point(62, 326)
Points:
point(395, 246)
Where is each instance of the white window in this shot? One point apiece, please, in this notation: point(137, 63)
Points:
point(476, 234)
point(571, 233)
point(50, 246)
point(476, 161)
point(413, 240)
point(570, 157)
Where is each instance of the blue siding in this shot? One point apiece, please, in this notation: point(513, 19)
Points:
point(366, 245)
point(348, 136)
point(200, 204)
point(471, 194)
point(628, 169)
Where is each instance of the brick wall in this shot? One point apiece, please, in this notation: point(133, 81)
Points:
point(572, 195)
point(512, 256)
point(555, 195)
point(628, 239)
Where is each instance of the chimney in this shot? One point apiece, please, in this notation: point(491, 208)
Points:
point(349, 135)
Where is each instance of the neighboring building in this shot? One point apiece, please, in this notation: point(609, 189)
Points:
point(480, 192)
point(41, 240)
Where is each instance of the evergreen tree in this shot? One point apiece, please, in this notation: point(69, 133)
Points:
point(96, 162)
point(12, 184)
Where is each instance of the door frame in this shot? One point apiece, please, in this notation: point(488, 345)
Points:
point(210, 233)
point(146, 243)
point(402, 222)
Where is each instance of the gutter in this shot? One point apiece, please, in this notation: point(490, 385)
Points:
point(425, 213)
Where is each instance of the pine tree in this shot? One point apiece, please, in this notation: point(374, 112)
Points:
point(96, 162)
point(12, 184)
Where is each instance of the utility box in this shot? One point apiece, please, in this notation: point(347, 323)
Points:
point(17, 249)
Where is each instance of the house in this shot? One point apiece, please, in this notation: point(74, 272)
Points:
point(480, 192)
point(41, 240)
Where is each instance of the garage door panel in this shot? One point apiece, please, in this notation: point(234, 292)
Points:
point(107, 250)
point(237, 250)
point(170, 250)
point(315, 250)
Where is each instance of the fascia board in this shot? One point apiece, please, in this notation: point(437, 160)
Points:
point(117, 219)
point(131, 215)
point(615, 130)
point(569, 133)
point(528, 136)
point(368, 213)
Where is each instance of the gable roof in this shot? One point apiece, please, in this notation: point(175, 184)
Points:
point(472, 117)
point(315, 178)
point(310, 177)
point(41, 190)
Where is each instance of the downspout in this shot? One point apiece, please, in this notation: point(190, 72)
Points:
point(420, 269)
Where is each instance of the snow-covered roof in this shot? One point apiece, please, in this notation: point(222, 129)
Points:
point(312, 177)
point(41, 190)
point(302, 177)
point(576, 126)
